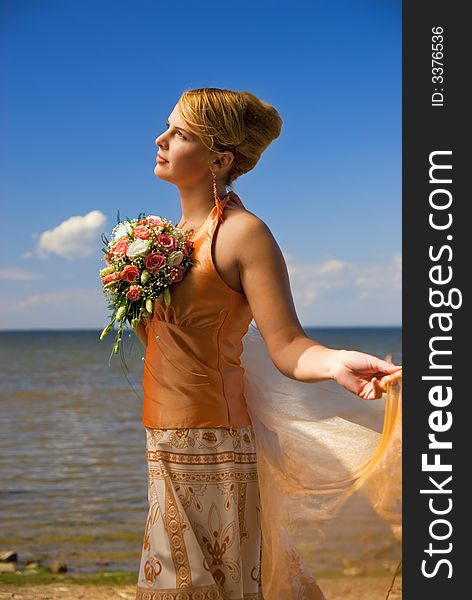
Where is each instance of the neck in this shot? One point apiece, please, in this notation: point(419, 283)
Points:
point(197, 202)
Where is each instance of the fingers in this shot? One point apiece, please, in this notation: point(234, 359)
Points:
point(377, 390)
point(372, 390)
point(386, 367)
point(391, 379)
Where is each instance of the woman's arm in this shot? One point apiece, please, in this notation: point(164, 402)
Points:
point(265, 281)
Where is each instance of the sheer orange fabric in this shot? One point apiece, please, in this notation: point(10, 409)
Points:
point(330, 476)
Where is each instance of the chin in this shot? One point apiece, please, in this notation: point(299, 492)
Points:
point(164, 176)
point(158, 174)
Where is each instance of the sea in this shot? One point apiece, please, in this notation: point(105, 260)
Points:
point(73, 481)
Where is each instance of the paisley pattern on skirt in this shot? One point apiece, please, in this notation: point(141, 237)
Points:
point(202, 538)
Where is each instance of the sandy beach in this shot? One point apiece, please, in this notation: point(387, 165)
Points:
point(345, 588)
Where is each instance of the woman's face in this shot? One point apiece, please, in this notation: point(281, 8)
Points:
point(188, 159)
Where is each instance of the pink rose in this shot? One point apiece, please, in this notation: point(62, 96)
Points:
point(111, 277)
point(130, 273)
point(134, 292)
point(142, 232)
point(120, 248)
point(154, 261)
point(166, 241)
point(155, 222)
point(176, 274)
point(188, 244)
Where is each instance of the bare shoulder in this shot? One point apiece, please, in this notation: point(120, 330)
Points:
point(246, 229)
point(242, 239)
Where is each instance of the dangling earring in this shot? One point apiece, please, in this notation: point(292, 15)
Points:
point(218, 200)
point(215, 191)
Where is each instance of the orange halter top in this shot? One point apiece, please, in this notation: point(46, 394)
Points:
point(193, 377)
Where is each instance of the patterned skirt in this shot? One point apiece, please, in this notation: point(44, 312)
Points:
point(202, 537)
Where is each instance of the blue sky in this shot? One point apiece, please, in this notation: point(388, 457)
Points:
point(88, 85)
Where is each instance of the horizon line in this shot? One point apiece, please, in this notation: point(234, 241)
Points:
point(303, 326)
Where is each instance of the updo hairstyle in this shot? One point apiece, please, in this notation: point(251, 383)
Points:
point(226, 120)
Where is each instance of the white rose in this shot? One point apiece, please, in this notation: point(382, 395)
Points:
point(121, 230)
point(175, 258)
point(137, 248)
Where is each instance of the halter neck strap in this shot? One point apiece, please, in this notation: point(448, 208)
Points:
point(214, 217)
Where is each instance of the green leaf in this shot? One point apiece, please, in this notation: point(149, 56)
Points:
point(120, 313)
point(106, 331)
point(110, 284)
point(167, 296)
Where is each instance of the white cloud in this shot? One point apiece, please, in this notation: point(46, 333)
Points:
point(397, 271)
point(296, 267)
point(331, 266)
point(333, 292)
point(76, 237)
point(380, 275)
point(18, 274)
point(311, 281)
point(76, 299)
point(74, 308)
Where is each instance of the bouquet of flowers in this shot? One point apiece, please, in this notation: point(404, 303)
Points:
point(144, 257)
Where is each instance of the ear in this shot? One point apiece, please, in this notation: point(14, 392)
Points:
point(222, 162)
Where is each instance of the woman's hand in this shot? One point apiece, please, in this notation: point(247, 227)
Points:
point(392, 378)
point(363, 374)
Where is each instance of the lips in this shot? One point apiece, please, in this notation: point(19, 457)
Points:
point(161, 159)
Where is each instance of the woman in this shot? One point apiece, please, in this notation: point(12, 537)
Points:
point(203, 533)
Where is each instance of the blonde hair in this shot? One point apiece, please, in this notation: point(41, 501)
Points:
point(228, 120)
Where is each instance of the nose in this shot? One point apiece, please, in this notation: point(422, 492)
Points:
point(159, 140)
